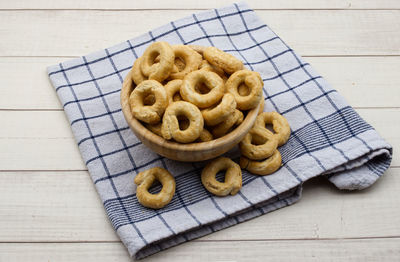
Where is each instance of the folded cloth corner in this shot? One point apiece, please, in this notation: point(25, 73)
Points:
point(328, 137)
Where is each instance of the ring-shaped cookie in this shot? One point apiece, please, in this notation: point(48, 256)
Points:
point(161, 70)
point(178, 64)
point(266, 146)
point(216, 114)
point(252, 81)
point(150, 114)
point(261, 109)
point(170, 124)
point(222, 128)
point(205, 136)
point(145, 179)
point(136, 72)
point(211, 80)
point(279, 124)
point(191, 61)
point(219, 58)
point(198, 48)
point(208, 67)
point(265, 167)
point(233, 177)
point(155, 128)
point(173, 88)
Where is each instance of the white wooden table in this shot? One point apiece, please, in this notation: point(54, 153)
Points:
point(49, 210)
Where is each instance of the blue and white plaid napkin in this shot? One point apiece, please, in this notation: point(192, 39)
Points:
point(328, 137)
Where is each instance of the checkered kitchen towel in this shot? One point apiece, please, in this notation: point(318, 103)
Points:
point(328, 137)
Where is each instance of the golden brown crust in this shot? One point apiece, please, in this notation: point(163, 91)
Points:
point(252, 81)
point(222, 128)
point(279, 124)
point(173, 90)
point(267, 144)
point(219, 58)
point(265, 167)
point(189, 61)
point(215, 115)
point(150, 114)
point(145, 179)
point(211, 80)
point(233, 177)
point(170, 124)
point(161, 70)
point(137, 75)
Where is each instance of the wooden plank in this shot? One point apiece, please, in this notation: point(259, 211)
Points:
point(327, 250)
point(63, 206)
point(43, 141)
point(40, 154)
point(375, 77)
point(28, 90)
point(46, 139)
point(170, 4)
point(73, 33)
point(52, 206)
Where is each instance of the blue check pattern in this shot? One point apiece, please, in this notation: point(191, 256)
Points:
point(328, 137)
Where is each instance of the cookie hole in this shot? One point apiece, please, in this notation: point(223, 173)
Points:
point(183, 122)
point(202, 88)
point(258, 140)
point(155, 58)
point(243, 90)
point(176, 97)
point(155, 188)
point(220, 176)
point(149, 100)
point(270, 127)
point(180, 63)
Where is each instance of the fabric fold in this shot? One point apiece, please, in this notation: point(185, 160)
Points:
point(328, 137)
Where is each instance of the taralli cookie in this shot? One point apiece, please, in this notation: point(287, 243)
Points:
point(173, 88)
point(136, 74)
point(219, 58)
point(254, 84)
point(205, 136)
point(161, 70)
point(145, 179)
point(150, 114)
point(198, 48)
point(261, 109)
point(191, 61)
point(279, 124)
point(178, 64)
point(258, 144)
point(222, 128)
point(218, 113)
point(211, 80)
point(170, 124)
point(208, 67)
point(233, 177)
point(265, 167)
point(155, 128)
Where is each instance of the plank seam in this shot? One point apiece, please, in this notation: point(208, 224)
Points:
point(191, 9)
point(208, 240)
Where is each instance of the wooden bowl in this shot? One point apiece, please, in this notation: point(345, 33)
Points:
point(191, 152)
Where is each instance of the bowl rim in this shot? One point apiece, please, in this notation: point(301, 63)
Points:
point(138, 128)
